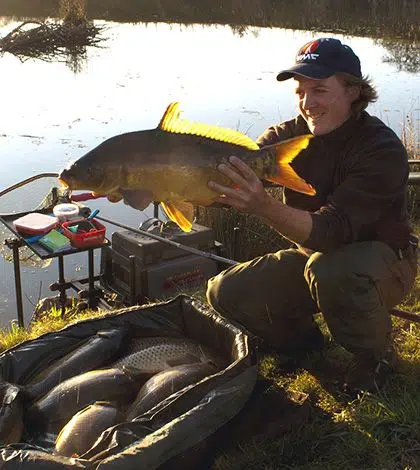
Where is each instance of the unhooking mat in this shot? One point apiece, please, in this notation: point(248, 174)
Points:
point(191, 415)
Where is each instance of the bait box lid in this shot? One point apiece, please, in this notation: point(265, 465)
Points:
point(35, 223)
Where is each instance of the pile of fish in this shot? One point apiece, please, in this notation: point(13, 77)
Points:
point(106, 380)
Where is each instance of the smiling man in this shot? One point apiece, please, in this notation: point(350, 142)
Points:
point(354, 256)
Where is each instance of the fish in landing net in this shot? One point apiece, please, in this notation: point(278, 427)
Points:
point(173, 163)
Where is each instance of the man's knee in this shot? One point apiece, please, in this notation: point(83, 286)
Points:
point(220, 291)
point(323, 272)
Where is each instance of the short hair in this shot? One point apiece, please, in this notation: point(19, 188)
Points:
point(368, 93)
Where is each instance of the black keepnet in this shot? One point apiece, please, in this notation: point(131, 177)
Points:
point(172, 427)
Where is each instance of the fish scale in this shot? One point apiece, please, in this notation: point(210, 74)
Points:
point(156, 354)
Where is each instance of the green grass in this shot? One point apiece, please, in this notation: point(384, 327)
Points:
point(13, 335)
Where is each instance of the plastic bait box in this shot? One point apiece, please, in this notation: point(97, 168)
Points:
point(83, 233)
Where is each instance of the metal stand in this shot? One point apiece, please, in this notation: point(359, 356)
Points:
point(14, 244)
point(92, 294)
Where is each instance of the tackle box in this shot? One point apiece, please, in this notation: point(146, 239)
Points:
point(140, 268)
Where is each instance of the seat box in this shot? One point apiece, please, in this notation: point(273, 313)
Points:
point(141, 268)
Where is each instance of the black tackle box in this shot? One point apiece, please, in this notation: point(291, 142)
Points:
point(140, 268)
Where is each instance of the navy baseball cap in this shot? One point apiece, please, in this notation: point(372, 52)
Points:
point(322, 58)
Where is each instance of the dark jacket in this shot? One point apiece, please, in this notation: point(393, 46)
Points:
point(360, 172)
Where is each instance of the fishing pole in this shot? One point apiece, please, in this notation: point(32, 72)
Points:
point(190, 249)
point(414, 317)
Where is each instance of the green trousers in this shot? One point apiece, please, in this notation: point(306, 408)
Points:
point(275, 296)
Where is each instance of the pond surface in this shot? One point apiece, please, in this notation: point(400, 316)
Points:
point(52, 114)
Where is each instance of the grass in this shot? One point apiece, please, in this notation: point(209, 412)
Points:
point(13, 335)
point(383, 19)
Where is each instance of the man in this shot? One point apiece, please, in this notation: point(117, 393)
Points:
point(355, 257)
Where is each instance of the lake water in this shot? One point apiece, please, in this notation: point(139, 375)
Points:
point(52, 115)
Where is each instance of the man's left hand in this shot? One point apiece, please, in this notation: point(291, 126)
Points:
point(247, 193)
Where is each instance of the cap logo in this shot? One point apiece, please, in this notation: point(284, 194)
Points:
point(307, 52)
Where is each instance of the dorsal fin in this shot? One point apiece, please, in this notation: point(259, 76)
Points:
point(171, 122)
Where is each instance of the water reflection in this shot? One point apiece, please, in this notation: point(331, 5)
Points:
point(404, 54)
point(64, 40)
point(76, 61)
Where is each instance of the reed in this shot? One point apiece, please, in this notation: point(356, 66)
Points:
point(73, 11)
point(374, 18)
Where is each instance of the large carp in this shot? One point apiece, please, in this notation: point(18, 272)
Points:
point(51, 412)
point(92, 354)
point(173, 163)
point(11, 413)
point(154, 354)
point(84, 428)
point(164, 384)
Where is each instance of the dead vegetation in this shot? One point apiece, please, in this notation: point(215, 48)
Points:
point(53, 39)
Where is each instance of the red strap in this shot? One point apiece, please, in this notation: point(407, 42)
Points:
point(85, 197)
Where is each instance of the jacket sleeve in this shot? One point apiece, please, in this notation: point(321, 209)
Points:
point(376, 178)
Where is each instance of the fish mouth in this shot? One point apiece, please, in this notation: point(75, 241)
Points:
point(63, 183)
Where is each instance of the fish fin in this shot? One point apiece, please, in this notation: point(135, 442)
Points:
point(113, 196)
point(180, 361)
point(171, 122)
point(136, 373)
point(285, 152)
point(137, 198)
point(181, 212)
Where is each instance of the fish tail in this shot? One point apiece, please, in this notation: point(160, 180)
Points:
point(284, 153)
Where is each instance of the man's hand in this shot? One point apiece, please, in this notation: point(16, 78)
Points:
point(247, 193)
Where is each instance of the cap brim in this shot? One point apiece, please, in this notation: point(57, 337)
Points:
point(314, 71)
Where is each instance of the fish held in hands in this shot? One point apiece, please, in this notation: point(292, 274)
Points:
point(173, 164)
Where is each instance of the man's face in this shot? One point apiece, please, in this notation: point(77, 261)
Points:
point(324, 104)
